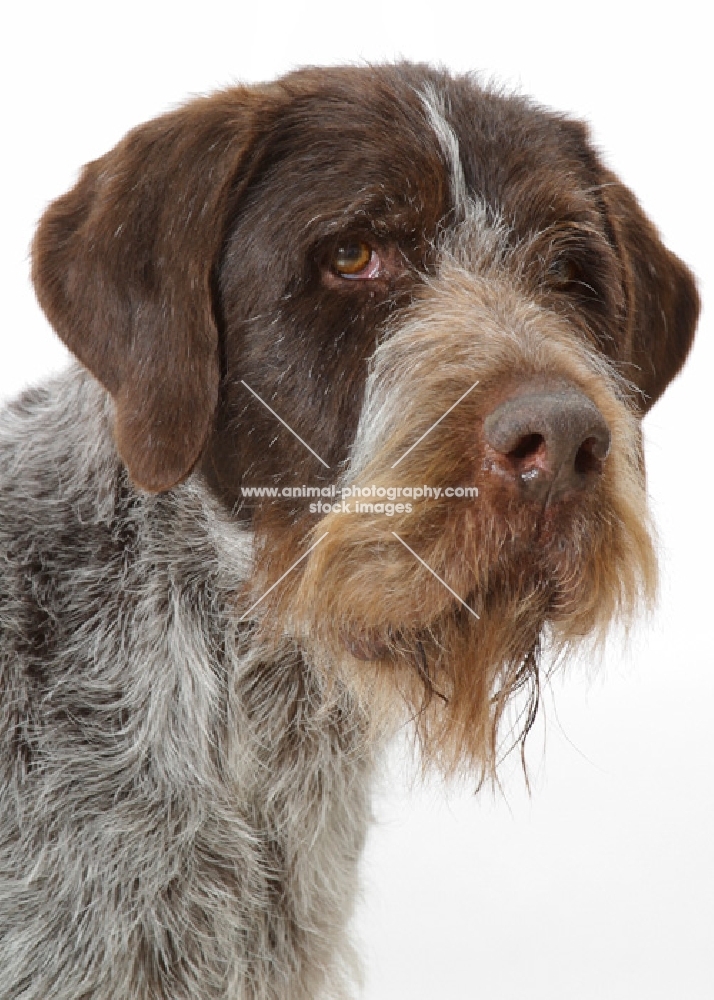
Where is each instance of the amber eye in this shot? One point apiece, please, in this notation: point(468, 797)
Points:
point(351, 259)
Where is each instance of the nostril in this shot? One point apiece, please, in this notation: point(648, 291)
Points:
point(589, 457)
point(529, 445)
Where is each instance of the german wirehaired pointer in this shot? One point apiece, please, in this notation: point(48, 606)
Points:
point(382, 283)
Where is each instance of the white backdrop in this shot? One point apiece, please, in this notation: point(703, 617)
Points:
point(600, 886)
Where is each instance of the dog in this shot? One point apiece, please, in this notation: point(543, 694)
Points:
point(354, 426)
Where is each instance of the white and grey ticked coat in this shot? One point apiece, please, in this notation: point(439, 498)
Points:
point(159, 780)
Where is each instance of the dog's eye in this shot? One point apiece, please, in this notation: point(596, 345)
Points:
point(565, 271)
point(355, 260)
point(574, 278)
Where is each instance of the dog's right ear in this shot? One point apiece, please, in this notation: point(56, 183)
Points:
point(123, 268)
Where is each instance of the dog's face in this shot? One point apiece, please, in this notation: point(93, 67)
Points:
point(431, 284)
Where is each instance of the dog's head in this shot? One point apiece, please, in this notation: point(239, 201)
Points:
point(431, 284)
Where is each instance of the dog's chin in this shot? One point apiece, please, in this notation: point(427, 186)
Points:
point(452, 676)
point(447, 619)
point(394, 641)
point(459, 669)
point(539, 578)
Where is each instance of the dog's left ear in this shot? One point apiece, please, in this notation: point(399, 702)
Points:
point(662, 303)
point(123, 266)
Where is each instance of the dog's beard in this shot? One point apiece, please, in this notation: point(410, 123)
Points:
point(371, 616)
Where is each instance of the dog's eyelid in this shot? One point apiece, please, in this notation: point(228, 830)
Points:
point(388, 258)
point(565, 268)
point(356, 261)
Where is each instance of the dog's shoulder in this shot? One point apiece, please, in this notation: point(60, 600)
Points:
point(91, 568)
point(59, 478)
point(55, 443)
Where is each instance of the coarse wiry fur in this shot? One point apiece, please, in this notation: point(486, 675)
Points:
point(186, 778)
point(143, 853)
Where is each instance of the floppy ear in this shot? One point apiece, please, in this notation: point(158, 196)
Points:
point(123, 267)
point(662, 303)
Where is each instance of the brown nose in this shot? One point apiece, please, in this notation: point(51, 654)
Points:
point(548, 441)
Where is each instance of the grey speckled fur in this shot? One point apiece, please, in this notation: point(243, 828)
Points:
point(142, 851)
